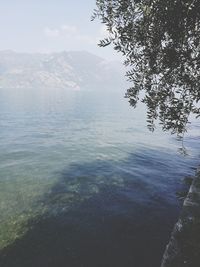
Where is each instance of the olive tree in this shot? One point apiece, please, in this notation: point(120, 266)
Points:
point(160, 40)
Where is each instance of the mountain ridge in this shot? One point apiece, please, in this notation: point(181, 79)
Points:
point(67, 69)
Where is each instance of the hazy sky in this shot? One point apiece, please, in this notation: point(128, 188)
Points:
point(51, 25)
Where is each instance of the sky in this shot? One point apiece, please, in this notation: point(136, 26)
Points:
point(51, 26)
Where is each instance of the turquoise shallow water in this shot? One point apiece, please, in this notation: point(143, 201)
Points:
point(83, 182)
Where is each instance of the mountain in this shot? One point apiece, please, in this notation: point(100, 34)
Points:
point(73, 70)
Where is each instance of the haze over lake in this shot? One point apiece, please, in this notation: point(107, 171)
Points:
point(82, 180)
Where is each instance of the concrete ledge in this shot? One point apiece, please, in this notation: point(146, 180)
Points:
point(183, 249)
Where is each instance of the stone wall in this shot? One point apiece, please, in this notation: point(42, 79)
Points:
point(183, 249)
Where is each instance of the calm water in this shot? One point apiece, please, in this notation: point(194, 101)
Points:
point(83, 183)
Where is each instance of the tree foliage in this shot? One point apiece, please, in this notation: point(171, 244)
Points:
point(160, 40)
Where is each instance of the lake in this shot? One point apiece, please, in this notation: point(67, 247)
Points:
point(83, 183)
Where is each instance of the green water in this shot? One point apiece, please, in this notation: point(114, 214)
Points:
point(87, 156)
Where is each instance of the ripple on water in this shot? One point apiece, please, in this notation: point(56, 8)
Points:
point(83, 182)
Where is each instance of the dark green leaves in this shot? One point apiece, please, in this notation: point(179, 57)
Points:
point(160, 40)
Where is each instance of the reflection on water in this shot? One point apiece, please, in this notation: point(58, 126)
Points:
point(83, 182)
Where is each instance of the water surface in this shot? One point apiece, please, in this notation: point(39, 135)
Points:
point(83, 182)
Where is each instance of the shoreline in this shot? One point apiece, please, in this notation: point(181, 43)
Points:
point(183, 248)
